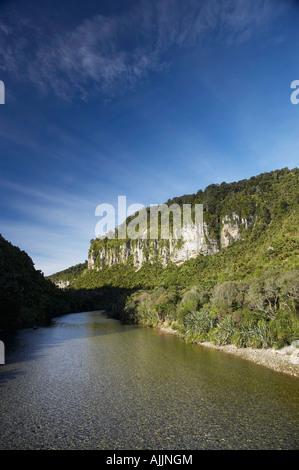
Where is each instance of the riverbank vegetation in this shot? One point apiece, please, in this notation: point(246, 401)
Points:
point(260, 312)
point(247, 294)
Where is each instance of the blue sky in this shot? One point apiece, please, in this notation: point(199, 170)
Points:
point(149, 99)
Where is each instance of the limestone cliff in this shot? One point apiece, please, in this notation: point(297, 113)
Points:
point(194, 241)
point(232, 228)
point(231, 212)
point(62, 284)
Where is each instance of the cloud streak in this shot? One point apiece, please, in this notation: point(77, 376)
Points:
point(111, 54)
point(46, 218)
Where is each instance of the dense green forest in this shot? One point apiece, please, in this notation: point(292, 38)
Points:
point(246, 294)
point(27, 298)
point(69, 274)
point(264, 198)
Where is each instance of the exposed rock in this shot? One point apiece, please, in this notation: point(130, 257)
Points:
point(232, 229)
point(62, 284)
point(194, 240)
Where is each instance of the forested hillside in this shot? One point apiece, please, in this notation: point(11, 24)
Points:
point(69, 275)
point(246, 293)
point(270, 201)
point(26, 297)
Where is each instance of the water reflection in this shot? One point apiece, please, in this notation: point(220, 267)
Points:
point(91, 382)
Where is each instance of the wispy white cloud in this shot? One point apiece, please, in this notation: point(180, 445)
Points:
point(54, 226)
point(110, 54)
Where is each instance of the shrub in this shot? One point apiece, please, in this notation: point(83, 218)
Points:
point(229, 294)
point(224, 330)
point(241, 337)
point(259, 335)
point(284, 329)
point(199, 324)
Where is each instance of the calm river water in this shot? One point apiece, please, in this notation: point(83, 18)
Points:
point(91, 382)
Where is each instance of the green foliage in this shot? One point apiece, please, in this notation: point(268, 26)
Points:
point(262, 199)
point(229, 294)
point(191, 302)
point(258, 334)
point(224, 331)
point(26, 297)
point(199, 324)
point(246, 294)
point(226, 314)
point(69, 274)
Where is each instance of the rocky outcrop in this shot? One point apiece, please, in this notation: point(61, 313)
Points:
point(232, 228)
point(194, 240)
point(62, 284)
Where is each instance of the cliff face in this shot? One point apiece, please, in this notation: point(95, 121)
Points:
point(232, 228)
point(231, 212)
point(195, 240)
point(62, 284)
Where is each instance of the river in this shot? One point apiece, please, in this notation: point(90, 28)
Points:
point(87, 381)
